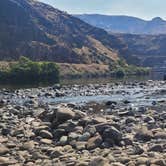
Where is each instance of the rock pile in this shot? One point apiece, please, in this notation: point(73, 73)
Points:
point(72, 135)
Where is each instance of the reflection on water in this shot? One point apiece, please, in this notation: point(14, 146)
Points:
point(83, 81)
point(152, 76)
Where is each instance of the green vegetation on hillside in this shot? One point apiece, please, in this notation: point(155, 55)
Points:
point(118, 69)
point(27, 71)
point(121, 69)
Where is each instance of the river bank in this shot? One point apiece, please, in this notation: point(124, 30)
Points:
point(26, 71)
point(84, 125)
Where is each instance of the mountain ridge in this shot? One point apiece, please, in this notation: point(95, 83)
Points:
point(149, 49)
point(125, 24)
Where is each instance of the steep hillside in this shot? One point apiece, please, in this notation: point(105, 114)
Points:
point(41, 32)
point(125, 24)
point(149, 49)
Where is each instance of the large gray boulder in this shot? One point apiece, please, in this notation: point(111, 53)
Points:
point(144, 134)
point(112, 134)
point(63, 114)
point(94, 142)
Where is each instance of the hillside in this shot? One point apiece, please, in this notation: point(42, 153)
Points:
point(41, 32)
point(149, 49)
point(125, 24)
point(145, 40)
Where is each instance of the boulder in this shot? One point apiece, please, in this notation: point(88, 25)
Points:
point(38, 129)
point(102, 126)
point(28, 145)
point(160, 135)
point(68, 126)
point(149, 119)
point(55, 152)
point(90, 129)
point(144, 134)
point(110, 103)
point(156, 148)
point(79, 114)
point(2, 102)
point(125, 113)
point(126, 101)
point(159, 162)
point(84, 137)
point(117, 164)
point(5, 131)
point(94, 142)
point(45, 134)
point(73, 136)
point(142, 161)
point(99, 161)
point(98, 120)
point(63, 114)
point(46, 141)
point(113, 134)
point(80, 145)
point(138, 150)
point(4, 150)
point(130, 120)
point(63, 140)
point(58, 133)
point(5, 161)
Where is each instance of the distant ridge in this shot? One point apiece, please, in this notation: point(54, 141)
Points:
point(125, 24)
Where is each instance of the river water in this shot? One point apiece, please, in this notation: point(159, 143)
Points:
point(84, 81)
point(136, 95)
point(101, 90)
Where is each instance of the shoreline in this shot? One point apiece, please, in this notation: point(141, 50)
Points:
point(66, 71)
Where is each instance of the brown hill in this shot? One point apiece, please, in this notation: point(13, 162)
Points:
point(149, 49)
point(41, 32)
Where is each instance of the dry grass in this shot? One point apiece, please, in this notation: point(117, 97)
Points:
point(5, 65)
point(108, 52)
point(82, 69)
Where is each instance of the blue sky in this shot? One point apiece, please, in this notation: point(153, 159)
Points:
point(146, 9)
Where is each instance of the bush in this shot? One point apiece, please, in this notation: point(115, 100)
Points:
point(27, 71)
point(122, 63)
point(121, 69)
point(120, 72)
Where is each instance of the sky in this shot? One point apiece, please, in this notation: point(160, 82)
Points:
point(146, 9)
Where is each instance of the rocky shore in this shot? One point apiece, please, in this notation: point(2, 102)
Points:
point(37, 130)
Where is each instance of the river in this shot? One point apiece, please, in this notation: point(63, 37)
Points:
point(84, 81)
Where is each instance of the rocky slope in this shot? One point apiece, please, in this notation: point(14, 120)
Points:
point(103, 134)
point(145, 40)
point(149, 49)
point(125, 24)
point(41, 32)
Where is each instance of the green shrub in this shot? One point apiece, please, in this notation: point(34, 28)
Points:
point(27, 71)
point(122, 63)
point(121, 69)
point(120, 72)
